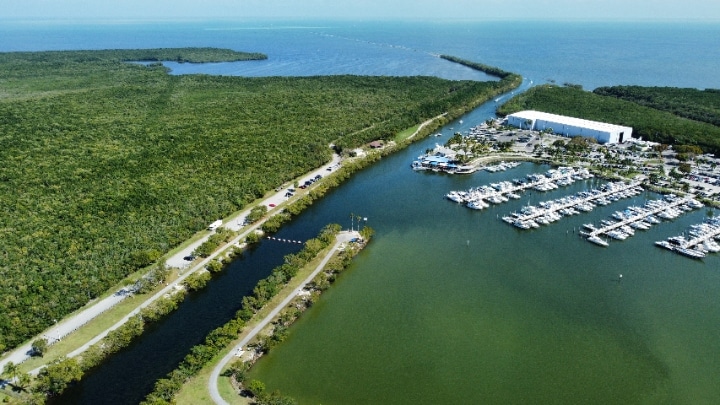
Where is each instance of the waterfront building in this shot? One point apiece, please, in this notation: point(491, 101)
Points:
point(570, 126)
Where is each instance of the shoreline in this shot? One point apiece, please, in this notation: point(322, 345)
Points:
point(20, 354)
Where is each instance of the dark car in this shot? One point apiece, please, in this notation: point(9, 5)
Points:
point(189, 258)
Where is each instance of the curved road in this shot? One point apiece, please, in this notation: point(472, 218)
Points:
point(341, 238)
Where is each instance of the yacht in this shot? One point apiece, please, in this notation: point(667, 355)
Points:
point(597, 240)
point(665, 244)
point(691, 253)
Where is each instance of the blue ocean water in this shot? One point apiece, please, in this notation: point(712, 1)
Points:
point(590, 54)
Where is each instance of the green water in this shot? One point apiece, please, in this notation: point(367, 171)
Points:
point(453, 306)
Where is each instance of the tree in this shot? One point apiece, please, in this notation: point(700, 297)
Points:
point(685, 168)
point(23, 381)
point(10, 370)
point(54, 378)
point(256, 213)
point(252, 237)
point(366, 232)
point(214, 266)
point(256, 387)
point(39, 347)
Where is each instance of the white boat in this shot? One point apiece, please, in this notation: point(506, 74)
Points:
point(615, 234)
point(495, 199)
point(712, 246)
point(691, 253)
point(521, 224)
point(598, 241)
point(477, 204)
point(455, 196)
point(665, 244)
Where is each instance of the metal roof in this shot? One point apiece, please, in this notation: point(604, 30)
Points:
point(571, 121)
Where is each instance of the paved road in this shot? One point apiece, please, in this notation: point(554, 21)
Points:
point(72, 323)
point(236, 223)
point(66, 327)
point(342, 237)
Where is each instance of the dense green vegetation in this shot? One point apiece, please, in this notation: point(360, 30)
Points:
point(106, 164)
point(491, 70)
point(648, 123)
point(218, 340)
point(191, 55)
point(698, 105)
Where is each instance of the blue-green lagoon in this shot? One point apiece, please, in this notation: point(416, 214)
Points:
point(450, 305)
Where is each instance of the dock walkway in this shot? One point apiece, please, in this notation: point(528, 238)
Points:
point(582, 200)
point(702, 238)
point(639, 216)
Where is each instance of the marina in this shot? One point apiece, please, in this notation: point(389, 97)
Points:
point(546, 212)
point(503, 191)
point(702, 240)
point(623, 223)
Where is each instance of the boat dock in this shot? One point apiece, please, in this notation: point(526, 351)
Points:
point(550, 211)
point(497, 193)
point(703, 237)
point(639, 216)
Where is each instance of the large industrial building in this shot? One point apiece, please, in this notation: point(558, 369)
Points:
point(569, 126)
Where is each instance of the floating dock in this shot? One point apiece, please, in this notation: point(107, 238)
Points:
point(551, 211)
point(644, 213)
point(702, 240)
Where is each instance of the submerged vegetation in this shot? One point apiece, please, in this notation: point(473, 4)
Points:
point(649, 122)
point(106, 163)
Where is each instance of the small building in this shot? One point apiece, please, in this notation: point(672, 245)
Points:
point(570, 126)
point(376, 144)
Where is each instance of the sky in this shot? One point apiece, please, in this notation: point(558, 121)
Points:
point(708, 10)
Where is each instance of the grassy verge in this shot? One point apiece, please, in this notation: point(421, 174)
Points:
point(401, 136)
point(91, 329)
point(195, 390)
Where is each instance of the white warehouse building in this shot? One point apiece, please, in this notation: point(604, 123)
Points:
point(569, 126)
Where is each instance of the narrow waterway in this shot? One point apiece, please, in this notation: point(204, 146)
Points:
point(164, 344)
point(445, 293)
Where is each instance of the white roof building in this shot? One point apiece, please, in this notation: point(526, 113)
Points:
point(570, 126)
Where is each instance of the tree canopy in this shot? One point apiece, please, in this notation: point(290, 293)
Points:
point(108, 163)
point(647, 122)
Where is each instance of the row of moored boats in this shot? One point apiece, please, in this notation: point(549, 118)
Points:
point(497, 193)
point(547, 212)
point(623, 224)
point(698, 240)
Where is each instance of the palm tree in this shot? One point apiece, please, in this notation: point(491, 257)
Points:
point(10, 370)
